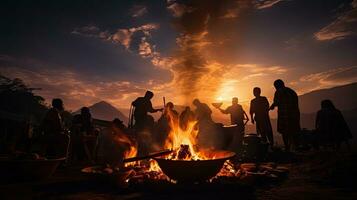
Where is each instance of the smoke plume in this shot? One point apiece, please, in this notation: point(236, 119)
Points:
point(204, 26)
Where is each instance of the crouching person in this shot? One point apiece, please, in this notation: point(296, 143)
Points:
point(115, 145)
point(331, 126)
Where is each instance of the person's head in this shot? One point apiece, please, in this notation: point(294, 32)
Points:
point(234, 100)
point(85, 111)
point(256, 92)
point(149, 94)
point(279, 84)
point(170, 105)
point(327, 104)
point(117, 123)
point(196, 102)
point(58, 104)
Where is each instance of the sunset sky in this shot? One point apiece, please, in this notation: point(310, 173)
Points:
point(87, 51)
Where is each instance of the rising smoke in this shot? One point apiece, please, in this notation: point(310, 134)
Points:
point(203, 26)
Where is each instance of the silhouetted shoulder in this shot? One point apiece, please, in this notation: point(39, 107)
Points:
point(291, 91)
point(137, 101)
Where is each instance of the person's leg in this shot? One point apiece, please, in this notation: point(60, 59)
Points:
point(286, 141)
point(270, 138)
point(261, 131)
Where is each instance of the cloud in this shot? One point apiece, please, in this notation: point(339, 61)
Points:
point(260, 70)
point(75, 90)
point(138, 11)
point(344, 26)
point(122, 36)
point(177, 9)
point(126, 37)
point(231, 13)
point(263, 4)
point(332, 77)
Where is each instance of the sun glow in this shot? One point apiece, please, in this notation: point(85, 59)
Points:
point(219, 99)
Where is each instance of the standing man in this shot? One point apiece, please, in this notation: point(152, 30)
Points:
point(54, 139)
point(238, 116)
point(237, 113)
point(144, 123)
point(287, 102)
point(203, 112)
point(259, 113)
point(143, 106)
point(207, 136)
point(185, 117)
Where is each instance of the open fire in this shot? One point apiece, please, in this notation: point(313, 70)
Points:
point(182, 140)
point(186, 162)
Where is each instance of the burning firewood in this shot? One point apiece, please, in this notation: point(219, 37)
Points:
point(184, 153)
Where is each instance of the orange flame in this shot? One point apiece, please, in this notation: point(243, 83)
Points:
point(131, 149)
point(182, 136)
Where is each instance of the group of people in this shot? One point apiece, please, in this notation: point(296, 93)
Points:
point(285, 99)
point(330, 125)
point(288, 123)
point(59, 140)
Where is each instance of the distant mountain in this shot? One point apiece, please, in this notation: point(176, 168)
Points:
point(105, 111)
point(344, 97)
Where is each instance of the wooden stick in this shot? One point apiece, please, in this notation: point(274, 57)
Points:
point(161, 153)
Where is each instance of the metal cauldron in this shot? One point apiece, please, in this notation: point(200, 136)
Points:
point(193, 171)
point(254, 149)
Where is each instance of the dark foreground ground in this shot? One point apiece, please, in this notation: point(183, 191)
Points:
point(313, 175)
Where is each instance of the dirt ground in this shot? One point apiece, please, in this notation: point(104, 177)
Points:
point(313, 175)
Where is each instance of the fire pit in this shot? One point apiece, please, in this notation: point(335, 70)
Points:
point(193, 170)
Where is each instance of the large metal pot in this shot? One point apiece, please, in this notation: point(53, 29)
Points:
point(193, 171)
point(254, 149)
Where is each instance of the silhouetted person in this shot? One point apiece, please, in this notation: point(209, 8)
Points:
point(208, 135)
point(118, 126)
point(259, 113)
point(203, 112)
point(144, 123)
point(168, 120)
point(236, 112)
point(331, 125)
point(170, 111)
point(143, 106)
point(54, 141)
point(238, 116)
point(287, 102)
point(86, 121)
point(112, 143)
point(186, 116)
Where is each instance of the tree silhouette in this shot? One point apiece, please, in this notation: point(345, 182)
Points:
point(17, 98)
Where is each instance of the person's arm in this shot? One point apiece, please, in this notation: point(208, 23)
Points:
point(153, 110)
point(224, 111)
point(275, 101)
point(251, 111)
point(266, 104)
point(246, 116)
